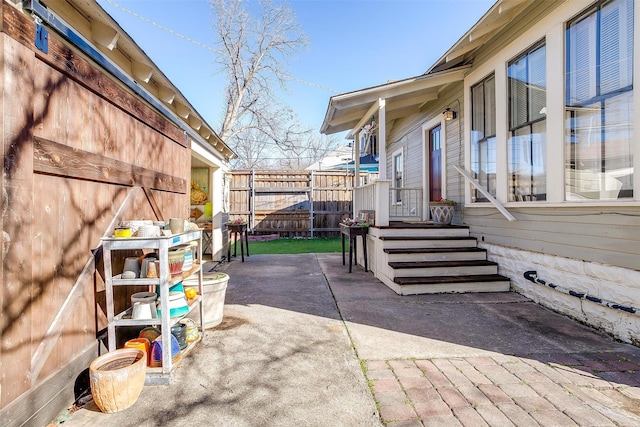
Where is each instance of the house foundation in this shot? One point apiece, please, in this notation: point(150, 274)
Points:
point(602, 296)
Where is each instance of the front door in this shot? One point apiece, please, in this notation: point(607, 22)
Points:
point(435, 163)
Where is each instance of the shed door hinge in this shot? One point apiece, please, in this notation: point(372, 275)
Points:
point(42, 38)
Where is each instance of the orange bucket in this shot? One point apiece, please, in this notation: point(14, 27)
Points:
point(141, 344)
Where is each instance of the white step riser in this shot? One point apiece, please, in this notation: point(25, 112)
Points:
point(441, 256)
point(437, 288)
point(398, 244)
point(455, 288)
point(445, 271)
point(424, 232)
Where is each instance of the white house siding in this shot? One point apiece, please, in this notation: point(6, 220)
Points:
point(407, 134)
point(589, 247)
point(455, 183)
point(402, 137)
point(604, 234)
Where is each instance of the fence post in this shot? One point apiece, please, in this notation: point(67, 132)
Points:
point(252, 202)
point(312, 179)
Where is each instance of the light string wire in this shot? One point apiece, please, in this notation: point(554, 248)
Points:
point(205, 46)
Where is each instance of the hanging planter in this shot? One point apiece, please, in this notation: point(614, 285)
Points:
point(442, 211)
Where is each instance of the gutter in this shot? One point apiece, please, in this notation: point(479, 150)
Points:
point(77, 40)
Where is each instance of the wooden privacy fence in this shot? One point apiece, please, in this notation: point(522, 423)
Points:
point(292, 204)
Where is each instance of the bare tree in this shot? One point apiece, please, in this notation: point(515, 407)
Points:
point(298, 154)
point(254, 149)
point(253, 53)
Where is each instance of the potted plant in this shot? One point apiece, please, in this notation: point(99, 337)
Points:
point(442, 211)
point(238, 221)
point(353, 222)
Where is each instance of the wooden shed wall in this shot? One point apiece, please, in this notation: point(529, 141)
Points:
point(81, 154)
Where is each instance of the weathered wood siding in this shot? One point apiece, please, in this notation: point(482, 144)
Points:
point(80, 154)
point(284, 202)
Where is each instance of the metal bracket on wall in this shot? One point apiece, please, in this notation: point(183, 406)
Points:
point(41, 37)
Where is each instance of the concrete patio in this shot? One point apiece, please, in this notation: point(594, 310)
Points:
point(303, 342)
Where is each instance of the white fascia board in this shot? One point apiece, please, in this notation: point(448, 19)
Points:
point(388, 91)
point(208, 155)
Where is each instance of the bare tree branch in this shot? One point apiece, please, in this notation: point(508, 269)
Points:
point(253, 53)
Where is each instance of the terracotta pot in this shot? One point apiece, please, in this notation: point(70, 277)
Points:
point(117, 379)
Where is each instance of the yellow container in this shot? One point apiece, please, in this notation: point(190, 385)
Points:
point(122, 232)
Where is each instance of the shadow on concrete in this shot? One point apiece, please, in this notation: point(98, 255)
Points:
point(384, 325)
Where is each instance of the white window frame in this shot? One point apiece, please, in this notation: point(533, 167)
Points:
point(396, 153)
point(528, 122)
point(552, 28)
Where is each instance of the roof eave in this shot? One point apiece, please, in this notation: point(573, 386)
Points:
point(496, 18)
point(365, 97)
point(108, 39)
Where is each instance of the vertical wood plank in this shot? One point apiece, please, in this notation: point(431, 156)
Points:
point(15, 323)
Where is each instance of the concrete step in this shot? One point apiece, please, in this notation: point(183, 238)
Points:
point(449, 284)
point(435, 254)
point(442, 268)
point(412, 242)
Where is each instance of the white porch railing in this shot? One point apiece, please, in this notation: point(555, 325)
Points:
point(373, 197)
point(405, 203)
point(388, 203)
point(364, 198)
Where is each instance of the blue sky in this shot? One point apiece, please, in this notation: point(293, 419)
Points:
point(354, 44)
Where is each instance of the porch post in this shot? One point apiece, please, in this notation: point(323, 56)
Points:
point(382, 140)
point(382, 202)
point(356, 160)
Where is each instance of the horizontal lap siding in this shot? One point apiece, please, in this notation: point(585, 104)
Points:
point(407, 134)
point(454, 146)
point(609, 235)
point(413, 159)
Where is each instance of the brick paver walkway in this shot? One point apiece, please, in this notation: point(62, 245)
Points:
point(585, 389)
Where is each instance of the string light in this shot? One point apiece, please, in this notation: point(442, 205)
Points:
point(202, 45)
